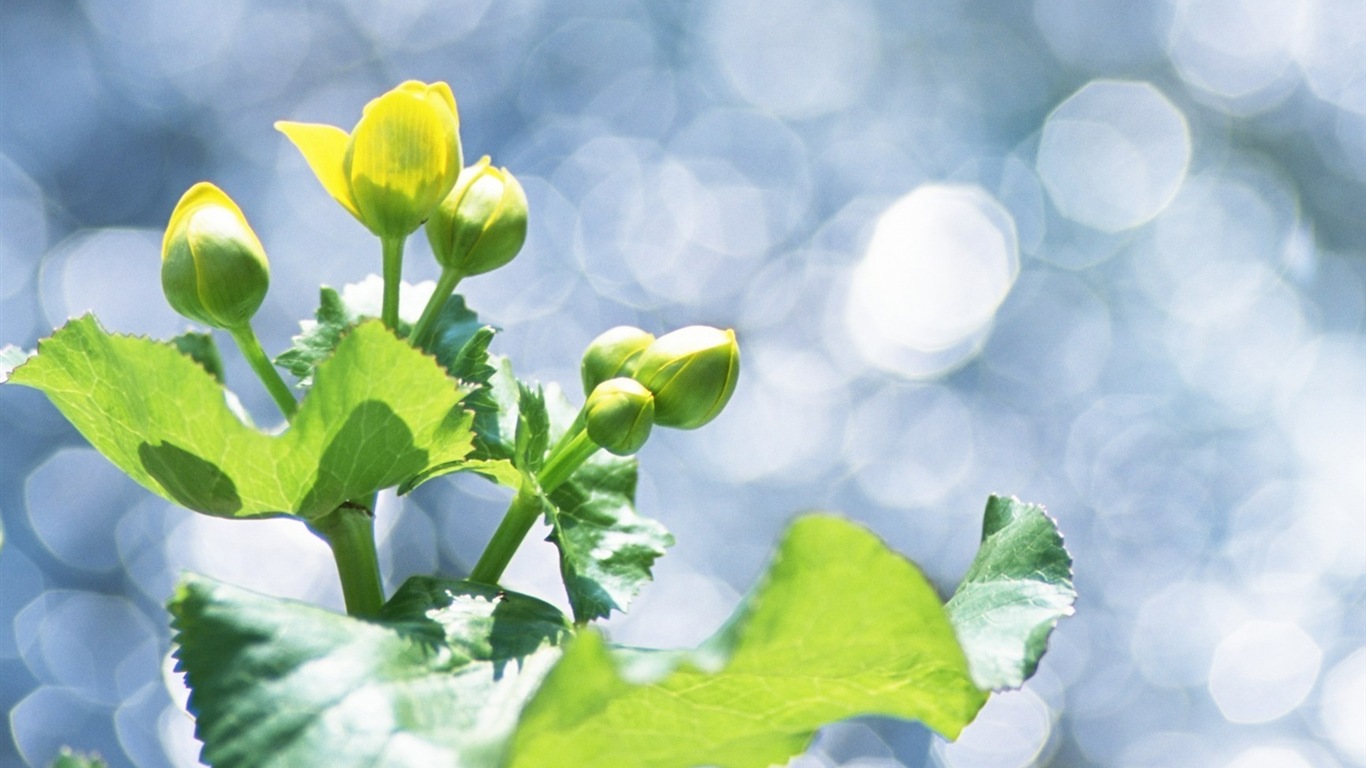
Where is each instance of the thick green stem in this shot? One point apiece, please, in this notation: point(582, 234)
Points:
point(393, 275)
point(444, 288)
point(350, 531)
point(521, 515)
point(256, 357)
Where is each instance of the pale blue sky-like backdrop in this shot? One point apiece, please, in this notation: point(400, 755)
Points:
point(1108, 256)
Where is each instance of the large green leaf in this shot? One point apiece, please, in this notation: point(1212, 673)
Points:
point(1018, 586)
point(438, 679)
point(840, 626)
point(379, 412)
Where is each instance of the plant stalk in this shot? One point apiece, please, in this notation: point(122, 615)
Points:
point(350, 531)
point(393, 275)
point(445, 286)
point(521, 515)
point(568, 454)
point(256, 357)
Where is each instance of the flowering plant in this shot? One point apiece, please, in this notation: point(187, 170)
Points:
point(461, 671)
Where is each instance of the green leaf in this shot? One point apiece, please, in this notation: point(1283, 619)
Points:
point(12, 357)
point(840, 626)
point(606, 549)
point(200, 348)
point(533, 429)
point(379, 413)
point(67, 758)
point(459, 341)
point(437, 679)
point(1018, 586)
point(319, 337)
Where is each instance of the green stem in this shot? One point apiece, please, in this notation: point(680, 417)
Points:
point(350, 531)
point(256, 357)
point(444, 288)
point(393, 274)
point(572, 450)
point(521, 515)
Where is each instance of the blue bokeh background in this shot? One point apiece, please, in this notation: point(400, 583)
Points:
point(1105, 255)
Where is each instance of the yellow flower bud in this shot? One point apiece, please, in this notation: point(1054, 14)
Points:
point(619, 414)
point(396, 165)
point(481, 225)
point(213, 268)
point(692, 373)
point(612, 354)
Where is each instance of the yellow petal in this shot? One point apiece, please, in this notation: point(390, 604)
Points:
point(324, 148)
point(196, 197)
point(403, 159)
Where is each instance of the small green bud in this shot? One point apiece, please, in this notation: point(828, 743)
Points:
point(213, 268)
point(692, 373)
point(619, 414)
point(612, 354)
point(481, 224)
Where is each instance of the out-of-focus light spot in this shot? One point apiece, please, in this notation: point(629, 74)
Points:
point(23, 582)
point(1238, 50)
point(54, 633)
point(1287, 536)
point(1051, 340)
point(24, 235)
point(1320, 411)
point(1102, 34)
point(285, 559)
point(1342, 706)
point(941, 261)
point(680, 610)
point(1009, 732)
point(909, 446)
point(1332, 52)
point(1178, 629)
point(1263, 670)
point(74, 500)
point(1271, 757)
point(582, 61)
point(1017, 188)
point(798, 59)
point(783, 419)
point(1168, 749)
point(115, 273)
point(52, 717)
point(1114, 154)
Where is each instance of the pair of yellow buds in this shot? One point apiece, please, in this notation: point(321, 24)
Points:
point(633, 381)
point(399, 167)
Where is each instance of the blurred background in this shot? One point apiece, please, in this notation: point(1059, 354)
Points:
point(1107, 256)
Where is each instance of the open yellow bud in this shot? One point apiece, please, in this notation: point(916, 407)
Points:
point(396, 165)
point(213, 268)
point(481, 225)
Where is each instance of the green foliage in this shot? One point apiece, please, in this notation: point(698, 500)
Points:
point(168, 427)
point(11, 357)
point(456, 673)
point(71, 759)
point(1015, 591)
point(437, 679)
point(200, 348)
point(606, 549)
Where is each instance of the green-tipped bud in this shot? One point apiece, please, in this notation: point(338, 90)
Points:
point(612, 354)
point(213, 268)
point(481, 225)
point(619, 414)
point(692, 373)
